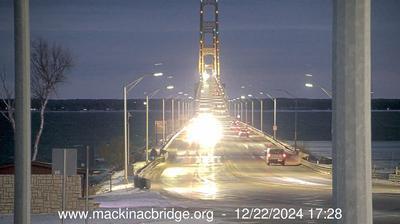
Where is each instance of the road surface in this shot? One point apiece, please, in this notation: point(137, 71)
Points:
point(233, 174)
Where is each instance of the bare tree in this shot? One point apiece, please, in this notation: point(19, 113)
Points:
point(49, 65)
point(7, 98)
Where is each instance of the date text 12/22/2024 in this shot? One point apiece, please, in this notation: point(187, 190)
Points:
point(288, 213)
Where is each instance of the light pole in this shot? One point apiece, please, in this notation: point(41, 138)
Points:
point(163, 115)
point(274, 126)
point(246, 111)
point(163, 120)
point(147, 117)
point(252, 109)
point(234, 108)
point(179, 113)
point(185, 108)
point(241, 111)
point(261, 116)
point(128, 132)
point(22, 148)
point(241, 108)
point(126, 89)
point(147, 128)
point(311, 85)
point(172, 115)
point(173, 111)
point(295, 114)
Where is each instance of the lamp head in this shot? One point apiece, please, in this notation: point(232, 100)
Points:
point(158, 74)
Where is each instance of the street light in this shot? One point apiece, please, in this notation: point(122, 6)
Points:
point(311, 85)
point(295, 114)
point(274, 126)
point(241, 107)
point(170, 87)
point(158, 74)
point(250, 96)
point(173, 110)
point(126, 88)
point(147, 117)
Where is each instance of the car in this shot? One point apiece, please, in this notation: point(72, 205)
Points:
point(275, 156)
point(236, 129)
point(244, 132)
point(235, 126)
point(235, 123)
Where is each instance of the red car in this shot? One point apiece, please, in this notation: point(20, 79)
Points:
point(275, 156)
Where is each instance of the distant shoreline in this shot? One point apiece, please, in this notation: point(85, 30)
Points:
point(167, 111)
point(115, 105)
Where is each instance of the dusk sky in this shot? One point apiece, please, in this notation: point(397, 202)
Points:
point(265, 44)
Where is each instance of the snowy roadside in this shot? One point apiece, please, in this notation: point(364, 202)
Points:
point(124, 196)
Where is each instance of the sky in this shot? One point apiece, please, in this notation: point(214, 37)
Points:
point(265, 45)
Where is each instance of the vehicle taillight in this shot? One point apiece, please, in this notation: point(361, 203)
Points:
point(284, 155)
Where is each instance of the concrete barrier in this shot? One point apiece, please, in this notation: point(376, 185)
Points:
point(140, 179)
point(322, 168)
point(325, 169)
point(277, 142)
point(395, 177)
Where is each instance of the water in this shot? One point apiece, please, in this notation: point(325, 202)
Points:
point(103, 131)
point(100, 129)
point(385, 154)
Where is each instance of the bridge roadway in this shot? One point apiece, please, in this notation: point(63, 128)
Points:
point(234, 174)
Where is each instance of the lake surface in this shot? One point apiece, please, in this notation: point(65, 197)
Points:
point(104, 129)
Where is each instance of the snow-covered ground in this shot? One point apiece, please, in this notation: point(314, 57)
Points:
point(127, 197)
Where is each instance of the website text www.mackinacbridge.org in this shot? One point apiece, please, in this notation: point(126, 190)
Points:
point(170, 214)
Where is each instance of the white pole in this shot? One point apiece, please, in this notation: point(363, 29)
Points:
point(125, 137)
point(241, 111)
point(64, 182)
point(147, 129)
point(172, 115)
point(128, 139)
point(234, 110)
point(245, 109)
point(87, 182)
point(163, 119)
point(252, 113)
point(22, 153)
point(275, 127)
point(261, 116)
point(179, 114)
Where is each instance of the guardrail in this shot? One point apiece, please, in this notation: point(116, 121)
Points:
point(140, 180)
point(396, 176)
point(322, 168)
point(270, 138)
point(325, 169)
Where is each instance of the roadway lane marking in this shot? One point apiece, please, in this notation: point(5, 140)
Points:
point(298, 181)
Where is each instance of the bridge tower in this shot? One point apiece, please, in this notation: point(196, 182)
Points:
point(209, 40)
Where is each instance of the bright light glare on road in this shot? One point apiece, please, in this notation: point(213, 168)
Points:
point(205, 130)
point(174, 172)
